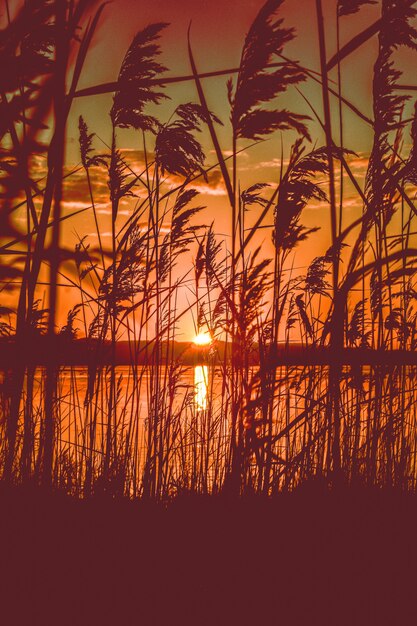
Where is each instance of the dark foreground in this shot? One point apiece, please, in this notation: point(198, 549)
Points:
point(304, 559)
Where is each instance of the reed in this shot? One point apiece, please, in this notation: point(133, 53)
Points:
point(284, 393)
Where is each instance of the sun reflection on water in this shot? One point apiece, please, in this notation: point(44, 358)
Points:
point(201, 387)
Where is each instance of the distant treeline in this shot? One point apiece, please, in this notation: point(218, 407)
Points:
point(62, 351)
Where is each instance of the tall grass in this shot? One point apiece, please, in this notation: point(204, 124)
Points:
point(307, 376)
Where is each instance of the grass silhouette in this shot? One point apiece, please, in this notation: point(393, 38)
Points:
point(270, 475)
point(272, 419)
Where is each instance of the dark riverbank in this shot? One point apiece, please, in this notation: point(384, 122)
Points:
point(313, 557)
point(41, 350)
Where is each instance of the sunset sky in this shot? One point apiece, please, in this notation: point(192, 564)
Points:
point(217, 34)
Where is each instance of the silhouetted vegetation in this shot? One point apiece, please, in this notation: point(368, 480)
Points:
point(305, 557)
point(341, 408)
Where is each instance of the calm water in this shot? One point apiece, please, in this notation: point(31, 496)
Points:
point(181, 415)
point(175, 406)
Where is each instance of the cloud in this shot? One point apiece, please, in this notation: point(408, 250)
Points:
point(165, 228)
point(75, 205)
point(213, 186)
point(103, 234)
point(241, 155)
point(211, 191)
point(358, 163)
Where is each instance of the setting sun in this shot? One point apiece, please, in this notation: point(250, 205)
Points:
point(202, 339)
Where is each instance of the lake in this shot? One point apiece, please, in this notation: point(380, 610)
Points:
point(172, 426)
